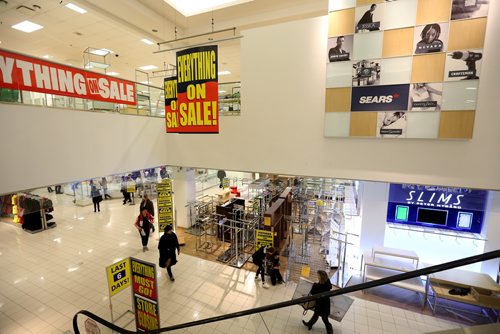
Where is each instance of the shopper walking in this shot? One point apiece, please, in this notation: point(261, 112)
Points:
point(126, 195)
point(96, 196)
point(144, 223)
point(258, 259)
point(147, 204)
point(275, 274)
point(167, 246)
point(104, 185)
point(322, 308)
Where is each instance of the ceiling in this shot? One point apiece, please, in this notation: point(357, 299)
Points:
point(119, 25)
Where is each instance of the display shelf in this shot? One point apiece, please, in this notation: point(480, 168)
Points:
point(429, 230)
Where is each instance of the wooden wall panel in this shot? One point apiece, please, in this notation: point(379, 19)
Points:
point(467, 34)
point(428, 68)
point(456, 124)
point(341, 22)
point(367, 2)
point(338, 99)
point(398, 42)
point(432, 11)
point(363, 124)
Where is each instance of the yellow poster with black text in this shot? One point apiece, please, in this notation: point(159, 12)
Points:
point(165, 204)
point(196, 108)
point(171, 111)
point(118, 276)
point(264, 238)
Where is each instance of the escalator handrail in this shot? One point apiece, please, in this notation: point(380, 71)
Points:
point(383, 281)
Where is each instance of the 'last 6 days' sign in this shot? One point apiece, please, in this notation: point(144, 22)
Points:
point(191, 98)
point(118, 276)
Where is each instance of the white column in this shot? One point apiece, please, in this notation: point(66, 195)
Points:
point(184, 192)
point(373, 197)
point(492, 232)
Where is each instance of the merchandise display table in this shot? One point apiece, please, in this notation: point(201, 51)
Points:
point(480, 290)
point(384, 262)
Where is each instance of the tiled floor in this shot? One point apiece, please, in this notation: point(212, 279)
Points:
point(45, 278)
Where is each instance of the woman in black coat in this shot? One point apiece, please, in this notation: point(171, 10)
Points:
point(322, 308)
point(167, 246)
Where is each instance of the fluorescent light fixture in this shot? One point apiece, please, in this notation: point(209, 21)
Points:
point(27, 26)
point(223, 73)
point(112, 73)
point(47, 56)
point(148, 67)
point(100, 52)
point(108, 50)
point(96, 64)
point(147, 41)
point(222, 91)
point(194, 7)
point(145, 82)
point(76, 8)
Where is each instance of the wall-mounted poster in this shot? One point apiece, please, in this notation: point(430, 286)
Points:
point(340, 48)
point(366, 73)
point(468, 9)
point(391, 124)
point(432, 37)
point(425, 97)
point(369, 18)
point(463, 65)
point(380, 98)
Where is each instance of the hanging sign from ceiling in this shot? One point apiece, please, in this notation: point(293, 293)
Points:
point(191, 99)
point(21, 72)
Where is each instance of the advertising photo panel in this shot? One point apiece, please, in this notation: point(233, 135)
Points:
point(340, 4)
point(368, 46)
point(363, 124)
point(380, 98)
point(463, 65)
point(339, 74)
point(340, 48)
point(468, 9)
point(432, 37)
point(400, 14)
point(395, 70)
point(425, 97)
point(369, 18)
point(366, 73)
point(341, 22)
point(391, 124)
point(422, 125)
point(460, 95)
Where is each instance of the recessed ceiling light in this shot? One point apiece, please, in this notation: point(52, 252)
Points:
point(48, 56)
point(112, 73)
point(145, 82)
point(223, 73)
point(194, 7)
point(222, 91)
point(148, 67)
point(76, 8)
point(100, 52)
point(147, 41)
point(27, 26)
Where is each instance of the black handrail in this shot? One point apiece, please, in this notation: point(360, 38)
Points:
point(353, 288)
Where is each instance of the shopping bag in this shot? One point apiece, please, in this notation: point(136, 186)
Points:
point(303, 289)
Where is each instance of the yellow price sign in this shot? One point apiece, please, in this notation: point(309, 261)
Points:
point(118, 276)
point(264, 238)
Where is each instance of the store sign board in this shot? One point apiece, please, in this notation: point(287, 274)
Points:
point(264, 238)
point(380, 98)
point(144, 288)
point(165, 204)
point(21, 72)
point(460, 209)
point(193, 107)
point(118, 276)
point(225, 182)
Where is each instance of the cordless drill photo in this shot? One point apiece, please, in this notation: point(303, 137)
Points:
point(470, 59)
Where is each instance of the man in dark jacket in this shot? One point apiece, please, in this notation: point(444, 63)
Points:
point(322, 308)
point(258, 260)
point(167, 246)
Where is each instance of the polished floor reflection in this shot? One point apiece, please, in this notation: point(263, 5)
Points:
point(45, 278)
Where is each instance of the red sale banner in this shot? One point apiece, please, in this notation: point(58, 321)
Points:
point(21, 72)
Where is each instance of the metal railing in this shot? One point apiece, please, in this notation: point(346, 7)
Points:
point(298, 301)
point(150, 101)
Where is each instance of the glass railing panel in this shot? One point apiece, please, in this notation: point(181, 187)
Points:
point(157, 102)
